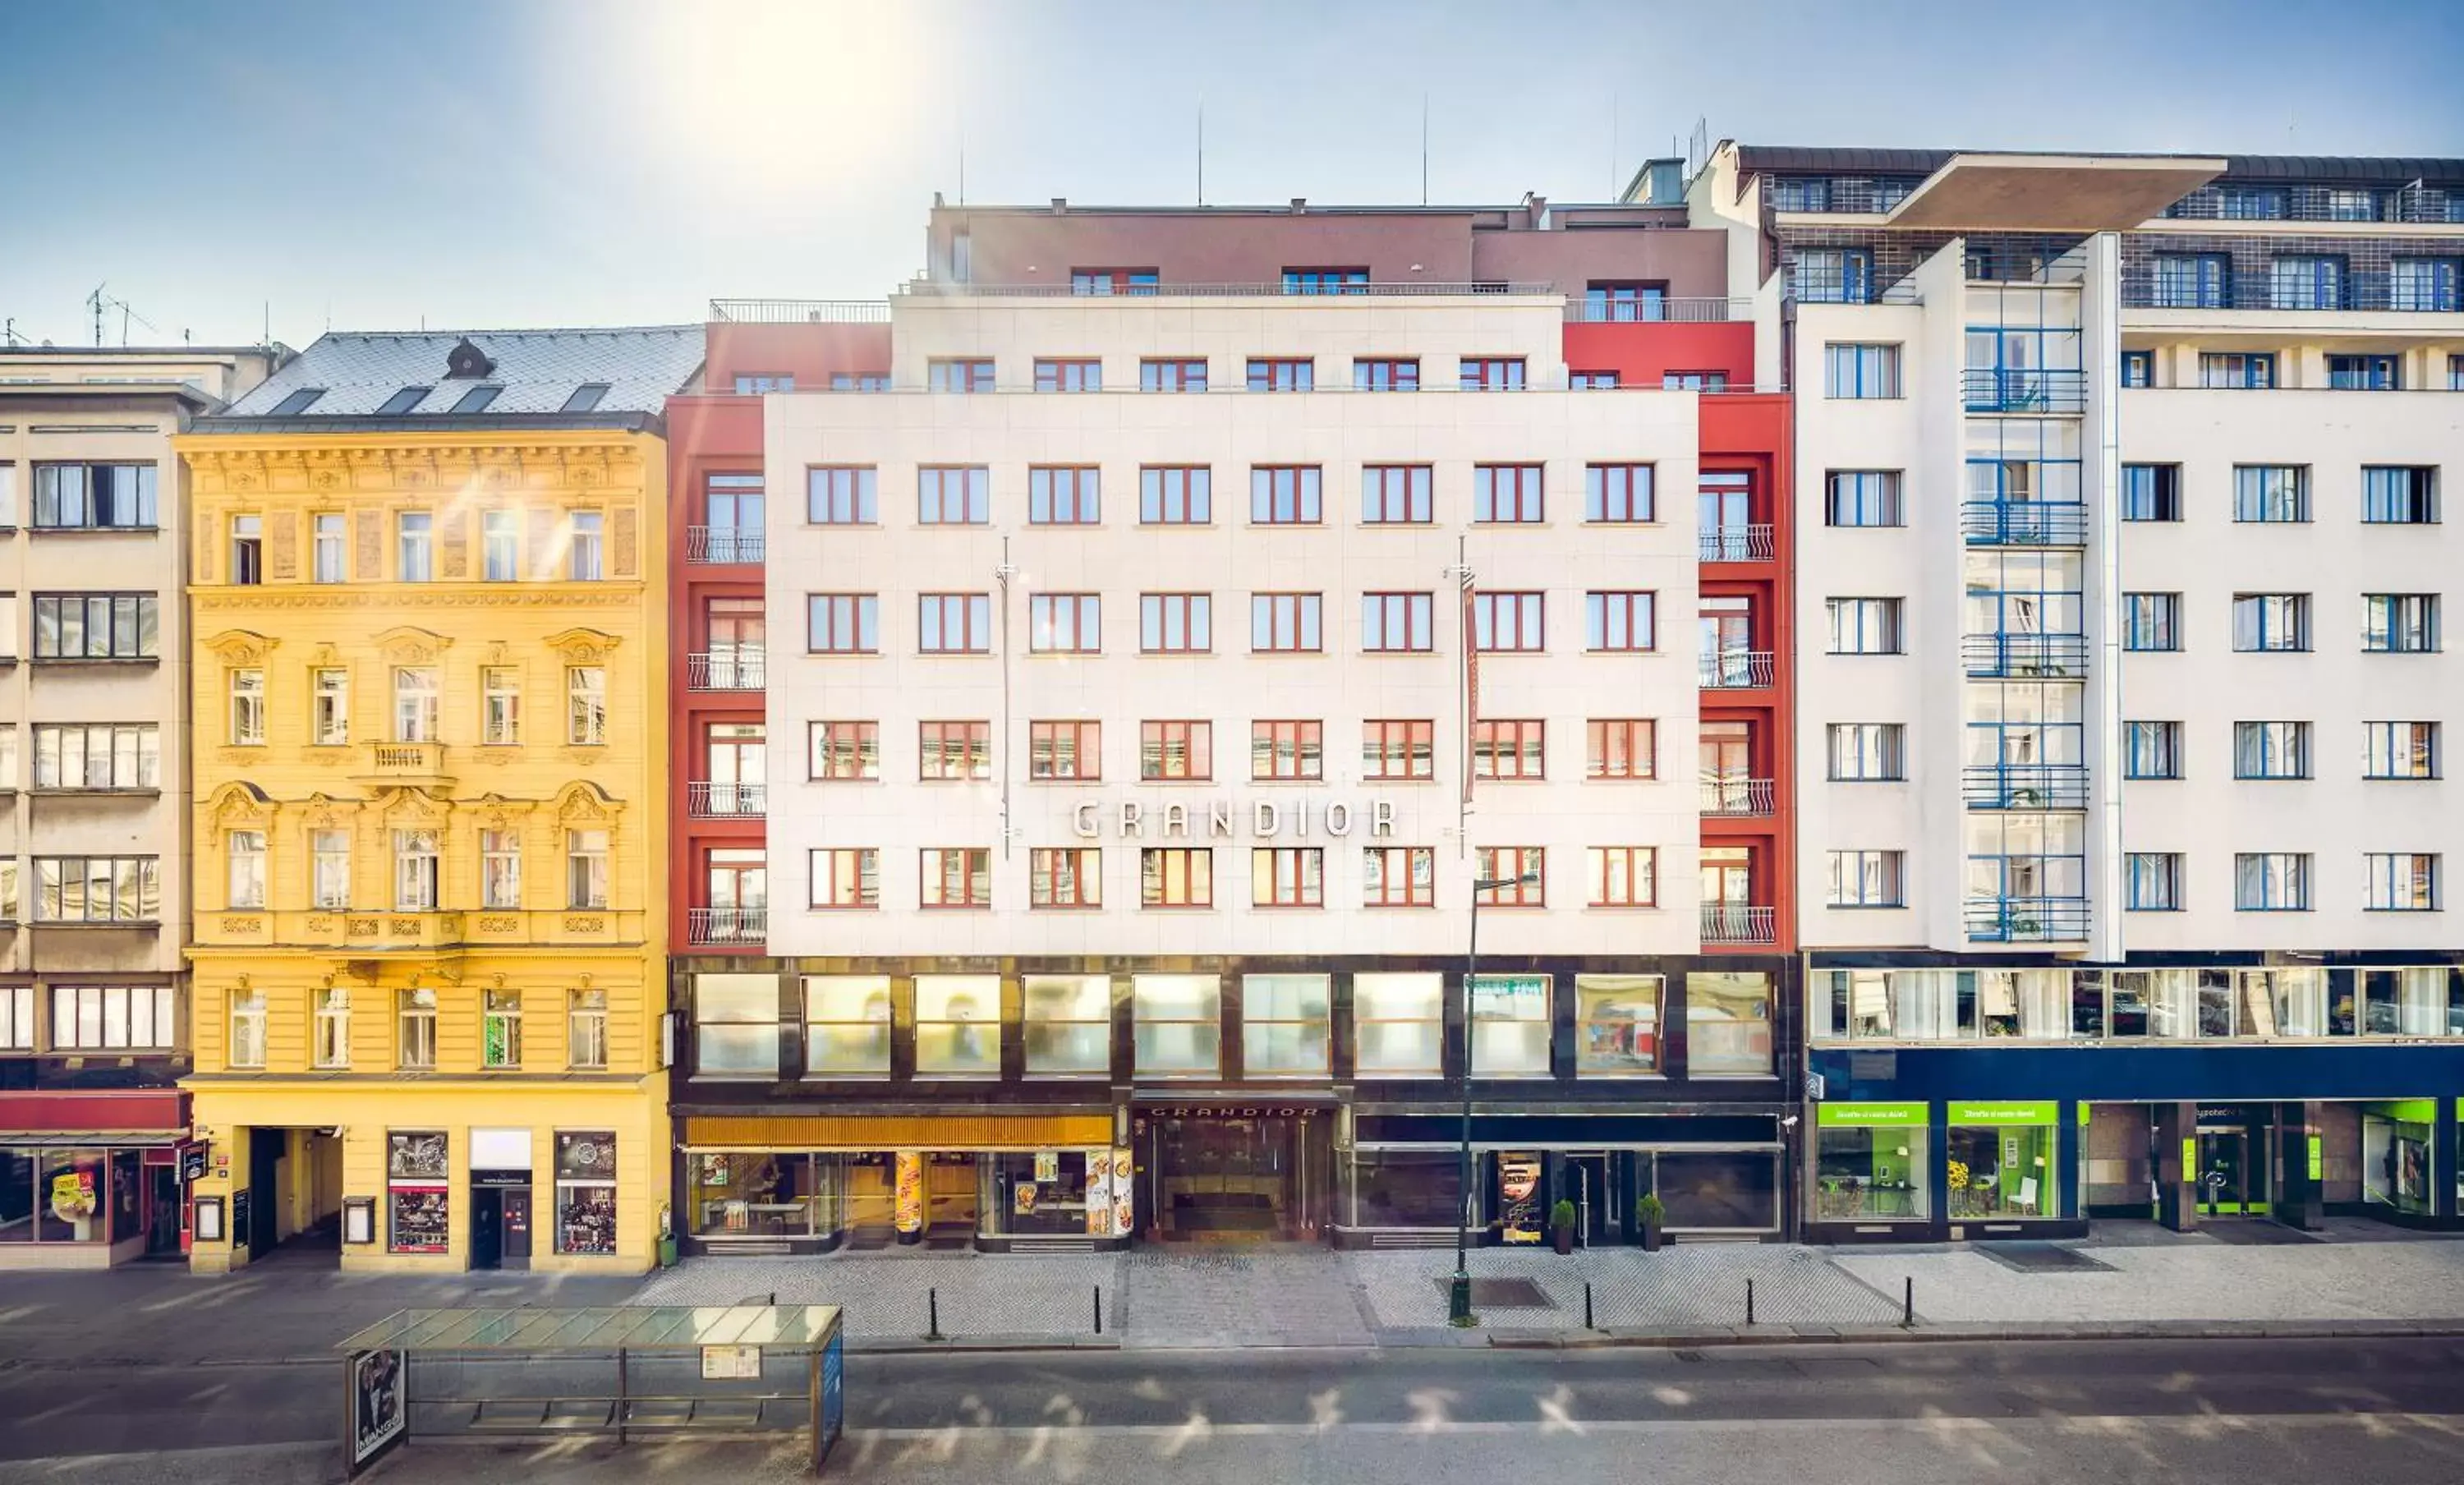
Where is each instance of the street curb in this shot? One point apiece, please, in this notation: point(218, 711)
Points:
point(1835, 1335)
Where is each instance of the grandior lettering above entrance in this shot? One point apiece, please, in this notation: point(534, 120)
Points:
point(1214, 819)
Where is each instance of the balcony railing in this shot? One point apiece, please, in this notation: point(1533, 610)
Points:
point(1732, 796)
point(2027, 785)
point(2027, 920)
point(1664, 311)
point(942, 288)
point(1725, 922)
point(2024, 524)
point(1736, 544)
point(800, 311)
point(722, 545)
point(745, 925)
point(726, 801)
point(2026, 657)
point(404, 762)
point(2415, 204)
point(724, 669)
point(2356, 288)
point(1735, 669)
point(1990, 390)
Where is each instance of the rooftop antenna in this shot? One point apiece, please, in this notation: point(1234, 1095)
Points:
point(1202, 151)
point(1617, 182)
point(1425, 149)
point(9, 336)
point(99, 302)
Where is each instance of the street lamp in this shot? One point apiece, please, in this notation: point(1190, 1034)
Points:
point(1459, 1292)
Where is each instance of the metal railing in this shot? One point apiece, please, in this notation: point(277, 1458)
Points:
point(2027, 920)
point(405, 758)
point(705, 801)
point(2025, 656)
point(2417, 202)
point(939, 288)
point(722, 545)
point(1750, 543)
point(2358, 288)
point(2024, 522)
point(2027, 785)
point(1990, 390)
point(1734, 796)
point(1660, 311)
point(727, 925)
point(1728, 924)
point(799, 312)
point(725, 670)
point(1735, 669)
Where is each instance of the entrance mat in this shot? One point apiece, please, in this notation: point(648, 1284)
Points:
point(1186, 1200)
point(1503, 1294)
point(2249, 1232)
point(2042, 1258)
point(1224, 1219)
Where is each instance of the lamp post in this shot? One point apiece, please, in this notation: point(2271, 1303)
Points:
point(1459, 1291)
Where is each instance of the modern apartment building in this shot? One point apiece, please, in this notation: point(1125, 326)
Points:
point(1168, 618)
point(429, 578)
point(94, 793)
point(2123, 695)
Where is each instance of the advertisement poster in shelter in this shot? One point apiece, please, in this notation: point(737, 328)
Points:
point(1518, 1190)
point(377, 1413)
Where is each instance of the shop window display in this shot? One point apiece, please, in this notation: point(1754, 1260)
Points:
point(1405, 1189)
point(585, 1192)
point(70, 1197)
point(16, 1197)
point(1870, 1163)
point(2000, 1172)
point(758, 1194)
point(2397, 1164)
point(417, 1168)
point(1047, 1192)
point(1722, 1191)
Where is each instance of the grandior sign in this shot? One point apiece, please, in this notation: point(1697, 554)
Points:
point(1264, 819)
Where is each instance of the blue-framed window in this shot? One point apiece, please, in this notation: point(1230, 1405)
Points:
point(2272, 881)
point(2400, 881)
point(2192, 281)
point(1326, 280)
point(1865, 626)
point(2153, 880)
point(1863, 497)
point(2361, 373)
point(2011, 592)
point(2151, 622)
point(1800, 193)
point(2242, 370)
point(2031, 861)
point(2278, 622)
point(2400, 495)
point(2399, 750)
point(1868, 879)
point(1855, 369)
point(2139, 368)
point(1108, 281)
point(2025, 731)
point(2151, 492)
point(1833, 276)
point(2271, 750)
point(2152, 750)
point(2430, 283)
point(2352, 204)
point(2400, 623)
point(2271, 493)
point(1868, 752)
point(2253, 202)
point(2307, 281)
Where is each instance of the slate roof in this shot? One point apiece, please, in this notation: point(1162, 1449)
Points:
point(539, 370)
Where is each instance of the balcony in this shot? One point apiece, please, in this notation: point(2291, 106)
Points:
point(735, 927)
point(1736, 669)
point(1660, 311)
point(1736, 797)
point(723, 545)
point(419, 765)
point(800, 312)
point(2410, 204)
point(1725, 922)
point(2364, 289)
point(724, 669)
point(726, 801)
point(2026, 786)
point(1736, 544)
point(2026, 657)
point(1412, 289)
point(2023, 523)
point(2007, 390)
point(2027, 920)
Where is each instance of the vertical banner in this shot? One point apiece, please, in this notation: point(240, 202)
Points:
point(1099, 1193)
point(1124, 1191)
point(1518, 1188)
point(907, 1214)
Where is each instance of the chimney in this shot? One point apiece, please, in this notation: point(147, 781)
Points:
point(1060, 206)
point(1300, 205)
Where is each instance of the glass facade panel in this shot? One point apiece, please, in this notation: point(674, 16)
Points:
point(1728, 1024)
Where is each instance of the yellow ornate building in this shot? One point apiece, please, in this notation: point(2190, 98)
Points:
point(428, 611)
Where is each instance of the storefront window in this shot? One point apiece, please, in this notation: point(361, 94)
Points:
point(417, 1169)
point(1405, 1189)
point(16, 1197)
point(71, 1196)
point(2398, 1169)
point(1727, 1025)
point(127, 1186)
point(1400, 1020)
point(958, 1025)
point(1047, 1192)
point(2030, 1004)
point(1284, 1024)
point(736, 1024)
point(847, 1026)
point(1718, 1191)
point(1068, 1025)
point(1179, 1025)
point(2405, 1002)
point(757, 1194)
point(1509, 1026)
point(1618, 1034)
point(585, 1192)
point(2000, 1160)
point(1869, 1162)
point(2283, 1002)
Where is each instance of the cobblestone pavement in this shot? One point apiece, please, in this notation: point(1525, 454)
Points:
point(1683, 1285)
point(1297, 1297)
point(888, 1296)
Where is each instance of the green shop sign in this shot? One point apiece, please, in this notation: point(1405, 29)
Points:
point(1909, 1116)
point(2040, 1112)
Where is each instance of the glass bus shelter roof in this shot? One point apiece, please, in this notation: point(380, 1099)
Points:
point(632, 1327)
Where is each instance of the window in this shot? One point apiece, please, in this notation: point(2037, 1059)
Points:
point(1108, 281)
point(1868, 879)
point(859, 381)
point(848, 879)
point(1694, 381)
point(1506, 494)
point(2138, 369)
point(757, 385)
point(477, 400)
point(88, 755)
point(1176, 876)
point(245, 851)
point(1178, 1022)
point(2400, 749)
point(1864, 626)
point(1388, 375)
point(1399, 877)
point(1624, 302)
point(1728, 1024)
point(1509, 749)
point(956, 877)
point(329, 1014)
point(2271, 750)
point(501, 1028)
point(1863, 497)
point(586, 869)
point(2400, 623)
point(844, 750)
point(499, 548)
point(2455, 373)
point(1616, 1025)
point(2425, 283)
point(1064, 750)
point(1286, 622)
point(1286, 750)
point(2403, 881)
point(1400, 1021)
point(326, 561)
point(1271, 374)
point(736, 1024)
point(1620, 748)
point(1063, 496)
point(501, 705)
point(1175, 623)
point(2153, 492)
point(415, 870)
point(1066, 1025)
point(500, 869)
point(2151, 621)
point(1506, 623)
point(1624, 876)
point(585, 689)
point(415, 704)
point(954, 750)
point(1326, 280)
point(1068, 376)
point(1395, 495)
point(95, 626)
point(2400, 495)
point(585, 1030)
point(1868, 751)
point(1393, 750)
point(1492, 374)
point(1284, 494)
point(1287, 876)
point(1285, 1022)
point(1618, 623)
point(1397, 623)
point(94, 497)
point(1065, 624)
point(1177, 374)
point(2363, 374)
point(842, 496)
point(1506, 864)
point(585, 1192)
point(246, 1048)
point(2271, 621)
point(415, 1029)
point(1616, 493)
point(2151, 749)
point(2272, 493)
point(2306, 282)
point(585, 397)
point(248, 550)
point(1855, 371)
point(953, 495)
point(1593, 381)
point(2192, 281)
point(2154, 881)
point(1829, 275)
point(414, 547)
point(1509, 1026)
point(329, 865)
point(2272, 882)
point(2235, 370)
point(960, 376)
point(1184, 750)
point(329, 706)
point(955, 623)
point(248, 708)
point(1176, 496)
point(847, 1026)
point(1070, 877)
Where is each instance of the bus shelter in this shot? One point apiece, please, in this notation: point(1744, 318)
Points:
point(628, 1370)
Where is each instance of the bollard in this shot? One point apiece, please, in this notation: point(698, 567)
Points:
point(1749, 1301)
point(1099, 1309)
point(933, 1309)
point(1587, 1305)
point(1909, 1304)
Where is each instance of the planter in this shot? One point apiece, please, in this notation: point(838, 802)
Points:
point(1565, 1239)
point(1651, 1237)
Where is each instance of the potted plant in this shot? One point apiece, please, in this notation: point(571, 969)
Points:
point(1648, 1214)
point(1561, 1225)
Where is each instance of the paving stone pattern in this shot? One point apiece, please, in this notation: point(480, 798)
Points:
point(889, 1296)
point(1683, 1286)
point(1295, 1297)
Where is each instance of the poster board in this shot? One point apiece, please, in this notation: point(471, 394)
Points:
point(379, 1414)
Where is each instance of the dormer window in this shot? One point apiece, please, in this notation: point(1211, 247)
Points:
point(297, 402)
point(467, 363)
point(403, 401)
point(478, 398)
point(584, 397)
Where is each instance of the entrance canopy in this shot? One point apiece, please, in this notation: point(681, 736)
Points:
point(629, 1327)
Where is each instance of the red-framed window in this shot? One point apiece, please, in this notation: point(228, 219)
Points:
point(1286, 622)
point(1515, 749)
point(1508, 623)
point(956, 877)
point(1063, 496)
point(844, 751)
point(1286, 495)
point(1624, 876)
point(846, 877)
point(954, 623)
point(1175, 623)
point(1618, 493)
point(1175, 494)
point(953, 495)
point(1593, 381)
point(1492, 374)
point(1069, 374)
point(1172, 374)
point(1101, 281)
point(1282, 374)
point(1620, 747)
point(835, 623)
point(1065, 876)
point(1395, 495)
point(1504, 863)
point(1286, 750)
point(971, 374)
point(1175, 751)
point(1287, 876)
point(1619, 623)
point(954, 750)
point(1072, 750)
point(1507, 495)
point(1176, 876)
point(1326, 280)
point(1386, 374)
point(1398, 749)
point(1064, 623)
point(1397, 623)
point(1399, 877)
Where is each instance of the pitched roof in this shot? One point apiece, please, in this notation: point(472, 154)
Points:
point(539, 370)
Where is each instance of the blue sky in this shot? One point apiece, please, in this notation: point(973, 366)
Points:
point(590, 162)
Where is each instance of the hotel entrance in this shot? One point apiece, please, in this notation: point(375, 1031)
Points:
point(2233, 1165)
point(1234, 1173)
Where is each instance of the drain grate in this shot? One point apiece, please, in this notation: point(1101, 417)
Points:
point(2042, 1258)
point(1503, 1294)
point(2247, 1232)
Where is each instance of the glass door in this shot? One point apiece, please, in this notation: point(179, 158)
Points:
point(1726, 752)
point(736, 760)
point(2231, 1182)
point(739, 884)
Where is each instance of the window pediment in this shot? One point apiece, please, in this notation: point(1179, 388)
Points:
point(582, 646)
point(407, 644)
point(241, 645)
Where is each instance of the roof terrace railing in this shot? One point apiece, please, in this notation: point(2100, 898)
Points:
point(799, 312)
point(939, 288)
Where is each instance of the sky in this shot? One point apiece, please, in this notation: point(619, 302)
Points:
point(469, 164)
